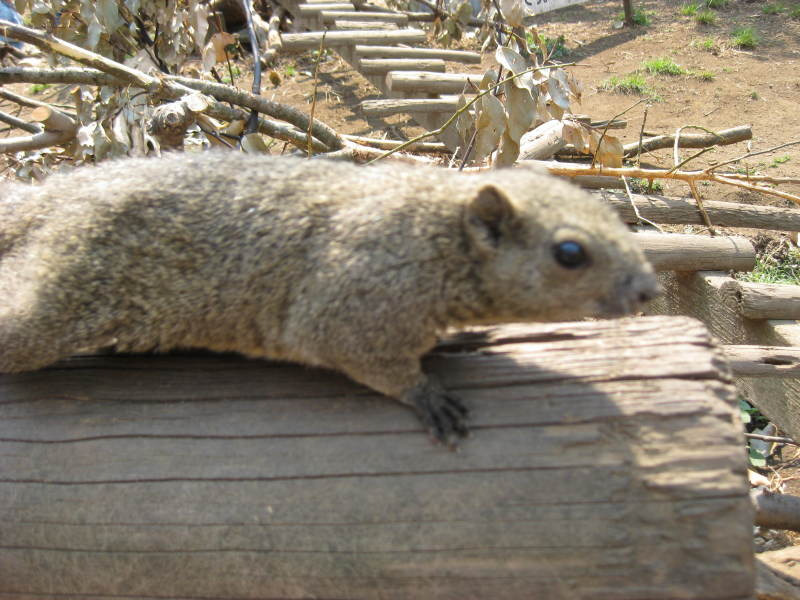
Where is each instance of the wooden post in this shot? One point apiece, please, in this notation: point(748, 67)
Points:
point(217, 477)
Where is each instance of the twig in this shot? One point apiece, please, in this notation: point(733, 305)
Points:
point(605, 129)
point(636, 208)
point(314, 94)
point(19, 123)
point(461, 110)
point(701, 209)
point(252, 122)
point(641, 135)
point(772, 438)
point(751, 154)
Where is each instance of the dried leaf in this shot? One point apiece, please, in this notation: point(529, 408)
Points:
point(491, 123)
point(463, 13)
point(513, 12)
point(108, 15)
point(521, 110)
point(221, 41)
point(509, 151)
point(558, 93)
point(514, 62)
point(609, 151)
point(253, 143)
point(465, 122)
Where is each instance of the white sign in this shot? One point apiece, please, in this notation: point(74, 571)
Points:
point(537, 7)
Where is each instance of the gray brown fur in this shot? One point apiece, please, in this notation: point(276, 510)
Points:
point(319, 262)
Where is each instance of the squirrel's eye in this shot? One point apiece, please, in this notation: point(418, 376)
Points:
point(570, 255)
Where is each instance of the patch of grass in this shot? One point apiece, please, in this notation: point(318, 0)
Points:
point(663, 66)
point(754, 95)
point(773, 8)
point(634, 83)
point(290, 71)
point(689, 10)
point(705, 75)
point(640, 17)
point(556, 47)
point(38, 88)
point(745, 37)
point(794, 12)
point(708, 44)
point(716, 3)
point(782, 266)
point(705, 17)
point(645, 186)
point(779, 160)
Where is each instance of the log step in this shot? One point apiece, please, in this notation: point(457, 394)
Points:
point(329, 16)
point(381, 66)
point(344, 24)
point(398, 52)
point(677, 211)
point(763, 361)
point(431, 83)
point(686, 252)
point(311, 40)
point(385, 108)
point(764, 300)
point(312, 10)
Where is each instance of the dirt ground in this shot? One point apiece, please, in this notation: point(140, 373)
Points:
point(758, 87)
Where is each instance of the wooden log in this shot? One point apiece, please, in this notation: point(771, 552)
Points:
point(329, 16)
point(599, 181)
point(381, 66)
point(217, 477)
point(384, 108)
point(398, 52)
point(685, 252)
point(677, 211)
point(313, 10)
point(763, 361)
point(431, 83)
point(364, 25)
point(707, 296)
point(311, 40)
point(765, 300)
point(691, 140)
point(384, 144)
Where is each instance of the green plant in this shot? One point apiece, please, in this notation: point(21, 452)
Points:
point(745, 37)
point(640, 17)
point(38, 88)
point(716, 3)
point(773, 8)
point(794, 13)
point(645, 186)
point(290, 71)
point(779, 160)
point(705, 75)
point(705, 17)
point(556, 47)
point(707, 44)
point(663, 66)
point(779, 266)
point(634, 83)
point(689, 10)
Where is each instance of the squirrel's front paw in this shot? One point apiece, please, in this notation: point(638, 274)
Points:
point(441, 412)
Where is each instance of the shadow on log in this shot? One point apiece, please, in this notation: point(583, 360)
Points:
point(606, 461)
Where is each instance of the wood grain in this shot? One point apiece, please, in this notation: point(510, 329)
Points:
point(206, 476)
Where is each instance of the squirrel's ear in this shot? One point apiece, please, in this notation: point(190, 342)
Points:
point(487, 217)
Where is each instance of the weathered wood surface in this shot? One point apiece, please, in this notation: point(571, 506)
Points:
point(462, 56)
point(431, 83)
point(393, 106)
point(216, 477)
point(690, 140)
point(763, 361)
point(381, 66)
point(313, 10)
point(685, 252)
point(678, 211)
point(344, 24)
point(335, 39)
point(765, 300)
point(708, 296)
point(329, 16)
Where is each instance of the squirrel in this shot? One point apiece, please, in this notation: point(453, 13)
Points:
point(325, 263)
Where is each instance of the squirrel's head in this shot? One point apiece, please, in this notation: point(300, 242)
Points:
point(548, 251)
